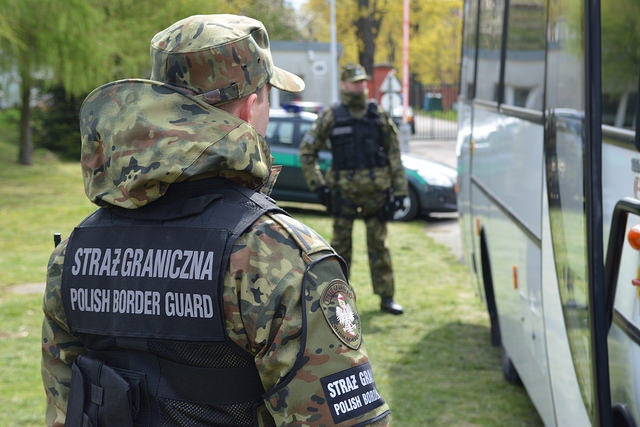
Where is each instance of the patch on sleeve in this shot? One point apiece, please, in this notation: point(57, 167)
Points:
point(351, 393)
point(338, 306)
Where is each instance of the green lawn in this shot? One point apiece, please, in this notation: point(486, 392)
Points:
point(434, 365)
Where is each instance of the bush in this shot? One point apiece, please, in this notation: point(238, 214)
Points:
point(55, 127)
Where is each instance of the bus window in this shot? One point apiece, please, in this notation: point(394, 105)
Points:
point(619, 105)
point(620, 62)
point(524, 64)
point(490, 39)
point(565, 77)
point(469, 39)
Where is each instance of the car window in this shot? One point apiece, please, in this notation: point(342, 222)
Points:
point(304, 127)
point(280, 132)
point(285, 133)
point(272, 131)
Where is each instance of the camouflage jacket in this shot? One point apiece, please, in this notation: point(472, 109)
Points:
point(286, 298)
point(360, 186)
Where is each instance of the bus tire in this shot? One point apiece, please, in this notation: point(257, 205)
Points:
point(622, 416)
point(508, 370)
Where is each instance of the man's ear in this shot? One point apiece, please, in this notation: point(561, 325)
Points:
point(247, 106)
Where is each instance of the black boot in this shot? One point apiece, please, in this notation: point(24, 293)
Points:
point(390, 306)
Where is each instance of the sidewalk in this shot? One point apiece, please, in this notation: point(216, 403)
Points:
point(443, 151)
point(443, 228)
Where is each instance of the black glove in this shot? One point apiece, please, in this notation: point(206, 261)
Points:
point(387, 211)
point(324, 196)
point(398, 203)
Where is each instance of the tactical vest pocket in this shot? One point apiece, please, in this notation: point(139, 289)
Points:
point(100, 396)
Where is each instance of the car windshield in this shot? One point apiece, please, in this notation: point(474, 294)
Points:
point(282, 130)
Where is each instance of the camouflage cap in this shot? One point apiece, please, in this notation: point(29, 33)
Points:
point(353, 73)
point(220, 57)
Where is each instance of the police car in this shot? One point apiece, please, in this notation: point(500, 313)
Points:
point(431, 184)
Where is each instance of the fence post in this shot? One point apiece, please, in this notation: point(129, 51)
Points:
point(404, 137)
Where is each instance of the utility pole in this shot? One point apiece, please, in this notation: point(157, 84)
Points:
point(334, 55)
point(405, 128)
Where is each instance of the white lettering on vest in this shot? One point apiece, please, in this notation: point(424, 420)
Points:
point(91, 300)
point(188, 305)
point(127, 301)
point(182, 264)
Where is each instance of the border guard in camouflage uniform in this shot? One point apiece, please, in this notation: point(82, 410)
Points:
point(188, 297)
point(366, 179)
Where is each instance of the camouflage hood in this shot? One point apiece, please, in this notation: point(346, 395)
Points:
point(140, 136)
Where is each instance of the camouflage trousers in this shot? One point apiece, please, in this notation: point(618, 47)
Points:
point(379, 256)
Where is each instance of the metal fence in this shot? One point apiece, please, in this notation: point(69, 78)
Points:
point(430, 126)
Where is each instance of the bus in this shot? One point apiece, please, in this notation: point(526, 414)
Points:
point(548, 188)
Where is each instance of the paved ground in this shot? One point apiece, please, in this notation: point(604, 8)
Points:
point(29, 288)
point(443, 151)
point(443, 228)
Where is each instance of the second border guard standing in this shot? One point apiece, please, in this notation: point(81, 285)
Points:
point(366, 179)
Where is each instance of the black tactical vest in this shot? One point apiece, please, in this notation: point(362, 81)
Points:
point(143, 289)
point(357, 143)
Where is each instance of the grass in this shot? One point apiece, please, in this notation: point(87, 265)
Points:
point(434, 365)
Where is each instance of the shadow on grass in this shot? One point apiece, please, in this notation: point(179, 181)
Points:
point(452, 376)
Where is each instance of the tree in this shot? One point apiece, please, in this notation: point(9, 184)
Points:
point(358, 24)
point(80, 44)
point(436, 40)
point(435, 34)
point(368, 21)
point(53, 39)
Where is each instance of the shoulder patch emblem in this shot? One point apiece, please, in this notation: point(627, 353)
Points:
point(339, 309)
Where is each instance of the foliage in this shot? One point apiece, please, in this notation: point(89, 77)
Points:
point(435, 43)
point(620, 45)
point(80, 44)
point(56, 127)
point(435, 35)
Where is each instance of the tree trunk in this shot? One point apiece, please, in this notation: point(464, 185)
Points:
point(25, 155)
point(367, 26)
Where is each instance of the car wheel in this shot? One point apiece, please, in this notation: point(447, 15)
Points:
point(409, 209)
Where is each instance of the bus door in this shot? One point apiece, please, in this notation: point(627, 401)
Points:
point(620, 64)
point(621, 210)
point(573, 165)
point(567, 317)
point(622, 277)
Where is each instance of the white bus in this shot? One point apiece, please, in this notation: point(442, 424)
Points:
point(548, 178)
